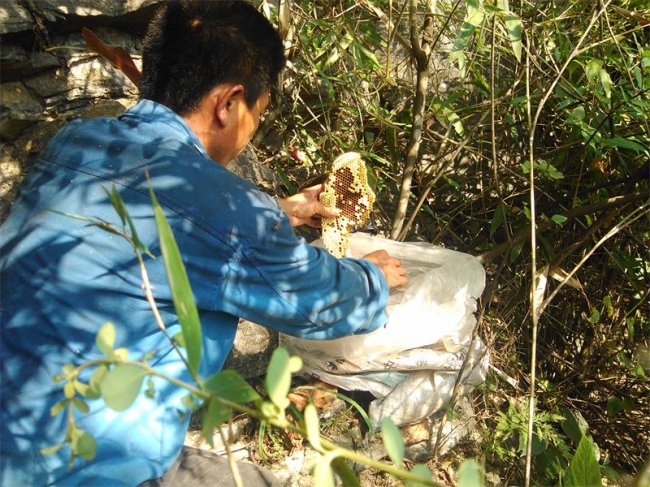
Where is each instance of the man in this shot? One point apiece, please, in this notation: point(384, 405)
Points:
point(208, 68)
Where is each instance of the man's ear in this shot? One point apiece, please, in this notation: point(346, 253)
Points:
point(226, 100)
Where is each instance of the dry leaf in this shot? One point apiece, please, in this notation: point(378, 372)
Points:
point(322, 399)
point(560, 275)
point(116, 55)
point(416, 433)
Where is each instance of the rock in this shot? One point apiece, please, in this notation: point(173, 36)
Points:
point(20, 109)
point(16, 62)
point(252, 350)
point(248, 166)
point(16, 17)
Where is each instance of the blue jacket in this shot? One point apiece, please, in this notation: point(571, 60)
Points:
point(61, 280)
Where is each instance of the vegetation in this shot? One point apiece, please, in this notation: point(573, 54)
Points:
point(517, 132)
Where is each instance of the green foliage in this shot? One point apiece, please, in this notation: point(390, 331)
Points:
point(121, 385)
point(470, 475)
point(393, 441)
point(583, 471)
point(278, 378)
point(550, 449)
point(184, 304)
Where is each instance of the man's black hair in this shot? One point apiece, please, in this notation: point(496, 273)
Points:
point(192, 46)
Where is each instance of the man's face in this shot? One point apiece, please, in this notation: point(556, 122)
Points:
point(249, 120)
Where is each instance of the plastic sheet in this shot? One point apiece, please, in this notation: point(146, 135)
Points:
point(412, 363)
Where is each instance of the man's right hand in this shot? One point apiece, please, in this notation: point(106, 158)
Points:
point(390, 267)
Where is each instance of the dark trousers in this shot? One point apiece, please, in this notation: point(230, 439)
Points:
point(198, 468)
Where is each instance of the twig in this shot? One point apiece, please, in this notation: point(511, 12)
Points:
point(521, 237)
point(627, 220)
point(232, 463)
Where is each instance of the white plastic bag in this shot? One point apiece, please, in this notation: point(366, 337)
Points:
point(411, 364)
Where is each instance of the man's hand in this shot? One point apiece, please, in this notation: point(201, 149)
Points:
point(390, 267)
point(304, 208)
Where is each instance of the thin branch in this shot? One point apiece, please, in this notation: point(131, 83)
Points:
point(627, 220)
point(421, 58)
point(522, 237)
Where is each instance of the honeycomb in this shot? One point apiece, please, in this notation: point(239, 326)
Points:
point(347, 189)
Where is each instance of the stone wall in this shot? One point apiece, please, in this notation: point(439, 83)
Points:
point(49, 77)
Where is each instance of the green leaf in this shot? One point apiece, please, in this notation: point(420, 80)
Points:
point(312, 425)
point(497, 219)
point(105, 339)
point(513, 27)
point(69, 370)
point(151, 389)
point(213, 416)
point(51, 449)
point(559, 219)
point(614, 406)
point(81, 405)
point(83, 444)
point(178, 339)
point(122, 385)
point(58, 407)
point(295, 364)
point(120, 208)
point(270, 410)
point(323, 474)
point(470, 475)
point(345, 473)
point(595, 316)
point(229, 385)
point(624, 143)
point(606, 82)
point(592, 69)
point(285, 180)
point(189, 401)
point(179, 284)
point(117, 202)
point(68, 390)
point(120, 354)
point(475, 15)
point(607, 302)
point(583, 471)
point(363, 53)
point(95, 381)
point(473, 19)
point(278, 378)
point(515, 252)
point(393, 441)
point(80, 387)
point(421, 471)
point(595, 71)
point(462, 39)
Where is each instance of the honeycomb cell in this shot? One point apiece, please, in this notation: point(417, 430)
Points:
point(347, 189)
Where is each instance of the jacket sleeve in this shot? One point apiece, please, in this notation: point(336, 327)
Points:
point(279, 281)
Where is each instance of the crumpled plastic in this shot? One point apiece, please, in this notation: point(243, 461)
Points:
point(412, 363)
